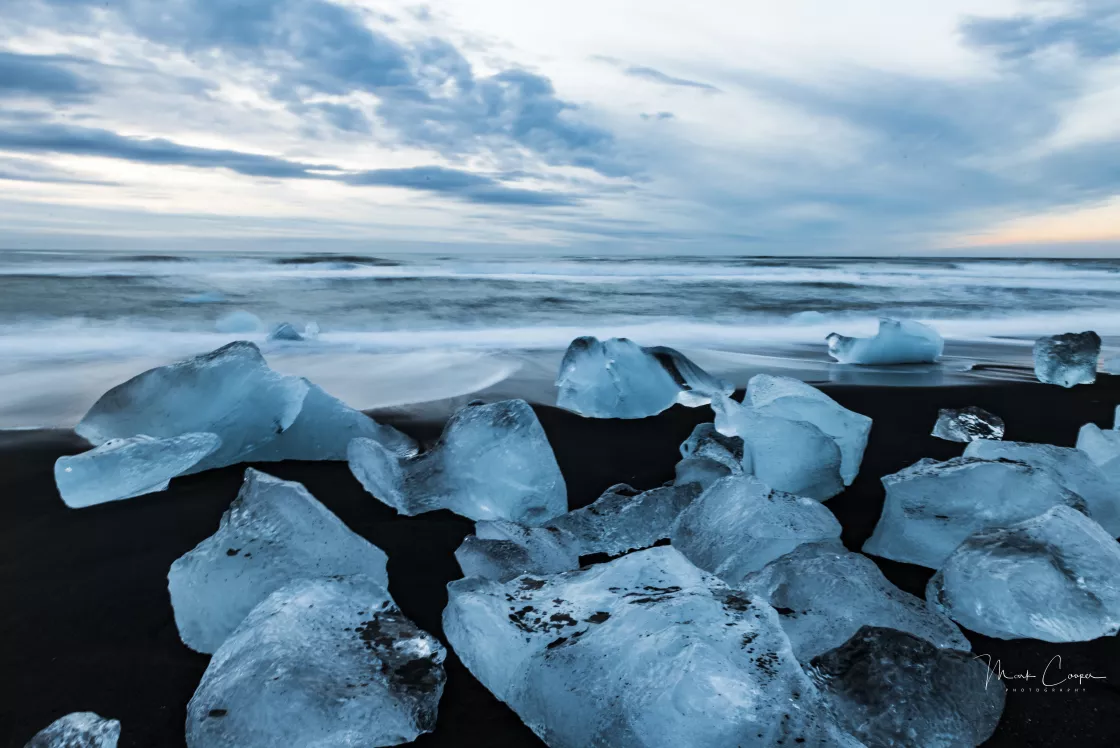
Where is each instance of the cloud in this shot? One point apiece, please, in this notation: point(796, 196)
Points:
point(469, 186)
point(652, 74)
point(1092, 30)
point(656, 115)
point(42, 76)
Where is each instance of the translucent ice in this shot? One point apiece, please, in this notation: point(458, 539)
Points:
point(739, 525)
point(320, 662)
point(898, 342)
point(1073, 469)
point(1102, 446)
point(707, 456)
point(239, 321)
point(230, 392)
point(272, 533)
point(123, 468)
point(1054, 577)
point(793, 399)
point(492, 462)
point(502, 550)
point(967, 424)
point(1068, 359)
point(824, 594)
point(285, 331)
point(790, 455)
point(932, 506)
point(645, 651)
point(78, 730)
point(891, 689)
point(617, 378)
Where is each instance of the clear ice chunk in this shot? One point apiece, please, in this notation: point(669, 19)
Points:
point(897, 342)
point(123, 468)
point(825, 593)
point(891, 689)
point(932, 506)
point(502, 551)
point(78, 730)
point(617, 378)
point(624, 519)
point(1067, 360)
point(239, 321)
point(285, 332)
point(320, 662)
point(789, 455)
point(707, 456)
point(275, 531)
point(967, 424)
point(1054, 577)
point(793, 399)
point(1102, 446)
point(645, 651)
point(739, 525)
point(492, 462)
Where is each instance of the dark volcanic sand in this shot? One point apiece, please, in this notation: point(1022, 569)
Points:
point(86, 623)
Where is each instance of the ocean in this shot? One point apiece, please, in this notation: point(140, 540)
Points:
point(397, 330)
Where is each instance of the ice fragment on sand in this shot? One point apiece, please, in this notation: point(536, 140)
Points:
point(275, 531)
point(891, 689)
point(1102, 446)
point(123, 468)
point(707, 456)
point(1054, 577)
point(239, 321)
point(78, 730)
point(789, 455)
point(897, 342)
point(492, 462)
point(825, 593)
point(932, 506)
point(739, 525)
point(967, 424)
point(502, 550)
point(285, 331)
point(645, 651)
point(320, 662)
point(623, 519)
point(1068, 359)
point(617, 378)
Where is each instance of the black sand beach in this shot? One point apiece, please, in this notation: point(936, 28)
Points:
point(86, 623)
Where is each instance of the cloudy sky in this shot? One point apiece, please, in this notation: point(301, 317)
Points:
point(802, 126)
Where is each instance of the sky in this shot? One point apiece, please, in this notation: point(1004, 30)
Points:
point(867, 127)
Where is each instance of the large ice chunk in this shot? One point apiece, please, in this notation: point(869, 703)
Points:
point(78, 730)
point(502, 550)
point(897, 342)
point(825, 593)
point(492, 462)
point(123, 468)
point(793, 399)
point(230, 392)
point(739, 525)
point(707, 456)
point(320, 662)
point(623, 519)
point(1054, 577)
point(275, 531)
point(645, 651)
point(932, 506)
point(967, 424)
point(617, 378)
point(891, 689)
point(790, 455)
point(1067, 360)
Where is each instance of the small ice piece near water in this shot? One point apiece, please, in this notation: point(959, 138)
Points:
point(891, 689)
point(789, 455)
point(791, 398)
point(1054, 577)
point(739, 525)
point(502, 550)
point(1073, 469)
point(708, 455)
point(645, 651)
point(824, 594)
point(285, 331)
point(623, 519)
point(320, 662)
point(230, 392)
point(123, 468)
point(1102, 446)
point(897, 342)
point(239, 321)
point(206, 297)
point(492, 462)
point(78, 730)
point(617, 378)
point(1068, 359)
point(932, 506)
point(967, 424)
point(275, 531)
